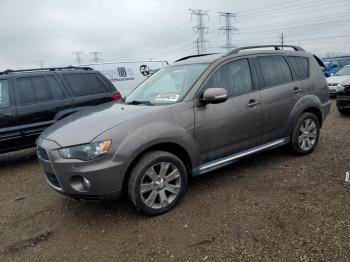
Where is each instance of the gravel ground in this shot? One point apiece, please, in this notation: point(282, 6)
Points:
point(272, 206)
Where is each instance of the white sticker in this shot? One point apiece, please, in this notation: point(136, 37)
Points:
point(167, 98)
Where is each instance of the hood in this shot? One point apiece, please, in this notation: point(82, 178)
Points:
point(83, 126)
point(337, 79)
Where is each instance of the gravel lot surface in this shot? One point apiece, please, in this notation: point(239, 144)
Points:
point(272, 206)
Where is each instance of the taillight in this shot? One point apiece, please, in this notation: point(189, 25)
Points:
point(117, 97)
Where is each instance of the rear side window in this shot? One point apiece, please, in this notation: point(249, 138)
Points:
point(55, 88)
point(41, 89)
point(26, 91)
point(85, 84)
point(275, 70)
point(33, 90)
point(300, 66)
point(4, 94)
point(234, 77)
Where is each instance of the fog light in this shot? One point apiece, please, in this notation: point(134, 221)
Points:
point(80, 183)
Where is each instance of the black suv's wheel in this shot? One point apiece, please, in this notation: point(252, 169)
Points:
point(305, 134)
point(157, 182)
point(344, 111)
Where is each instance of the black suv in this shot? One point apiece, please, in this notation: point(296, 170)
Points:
point(33, 99)
point(343, 97)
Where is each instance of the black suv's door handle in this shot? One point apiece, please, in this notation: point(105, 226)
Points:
point(296, 90)
point(252, 103)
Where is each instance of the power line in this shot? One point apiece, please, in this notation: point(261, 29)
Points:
point(41, 63)
point(77, 56)
point(282, 37)
point(200, 29)
point(96, 58)
point(229, 30)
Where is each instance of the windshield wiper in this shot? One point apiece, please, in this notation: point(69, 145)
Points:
point(140, 102)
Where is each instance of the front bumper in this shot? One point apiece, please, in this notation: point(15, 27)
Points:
point(100, 179)
point(343, 101)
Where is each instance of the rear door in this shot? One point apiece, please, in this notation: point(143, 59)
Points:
point(39, 99)
point(279, 94)
point(10, 137)
point(88, 88)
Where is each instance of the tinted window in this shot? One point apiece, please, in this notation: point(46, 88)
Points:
point(4, 94)
point(55, 88)
point(97, 85)
point(42, 91)
point(234, 77)
point(26, 91)
point(85, 84)
point(300, 66)
point(275, 70)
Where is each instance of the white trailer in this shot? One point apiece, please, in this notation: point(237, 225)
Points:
point(126, 75)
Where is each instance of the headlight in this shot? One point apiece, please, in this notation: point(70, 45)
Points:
point(86, 152)
point(340, 88)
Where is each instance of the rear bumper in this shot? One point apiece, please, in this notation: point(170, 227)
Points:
point(326, 109)
point(100, 179)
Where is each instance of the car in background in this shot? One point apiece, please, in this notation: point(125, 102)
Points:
point(343, 97)
point(339, 77)
point(333, 65)
point(201, 113)
point(32, 100)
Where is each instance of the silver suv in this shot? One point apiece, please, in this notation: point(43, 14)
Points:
point(199, 114)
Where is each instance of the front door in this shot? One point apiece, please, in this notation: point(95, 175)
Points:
point(234, 125)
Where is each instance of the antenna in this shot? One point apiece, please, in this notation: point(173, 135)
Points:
point(200, 30)
point(229, 30)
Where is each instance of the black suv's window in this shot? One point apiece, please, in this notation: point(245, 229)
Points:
point(55, 88)
point(85, 84)
point(4, 94)
point(275, 70)
point(300, 66)
point(234, 77)
point(34, 89)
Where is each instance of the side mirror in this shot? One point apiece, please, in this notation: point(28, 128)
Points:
point(214, 96)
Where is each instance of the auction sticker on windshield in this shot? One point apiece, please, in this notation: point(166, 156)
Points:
point(167, 98)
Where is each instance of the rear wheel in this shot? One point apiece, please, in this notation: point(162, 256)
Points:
point(344, 111)
point(305, 134)
point(157, 182)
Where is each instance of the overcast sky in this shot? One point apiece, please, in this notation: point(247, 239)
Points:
point(49, 31)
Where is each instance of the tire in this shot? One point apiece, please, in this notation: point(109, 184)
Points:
point(344, 111)
point(305, 131)
point(162, 177)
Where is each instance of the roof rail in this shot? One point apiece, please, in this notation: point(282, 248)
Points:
point(8, 71)
point(190, 56)
point(277, 47)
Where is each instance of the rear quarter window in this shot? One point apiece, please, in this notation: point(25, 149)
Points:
point(86, 84)
point(300, 66)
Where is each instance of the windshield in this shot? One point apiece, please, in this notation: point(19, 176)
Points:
point(169, 85)
point(344, 71)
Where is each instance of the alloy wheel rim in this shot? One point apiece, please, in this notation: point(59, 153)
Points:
point(307, 134)
point(160, 185)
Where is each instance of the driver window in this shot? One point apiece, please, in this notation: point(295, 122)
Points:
point(234, 77)
point(4, 94)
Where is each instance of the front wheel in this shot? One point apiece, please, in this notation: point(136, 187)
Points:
point(157, 182)
point(344, 111)
point(305, 134)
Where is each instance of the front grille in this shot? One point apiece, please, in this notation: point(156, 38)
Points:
point(53, 180)
point(332, 84)
point(43, 154)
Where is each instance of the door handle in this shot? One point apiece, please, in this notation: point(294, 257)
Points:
point(296, 90)
point(252, 103)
